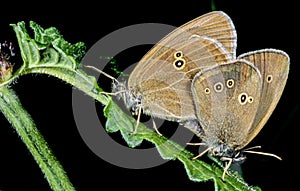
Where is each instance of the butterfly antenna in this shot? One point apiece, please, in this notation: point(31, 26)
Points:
point(263, 153)
point(109, 76)
point(249, 150)
point(196, 144)
point(101, 72)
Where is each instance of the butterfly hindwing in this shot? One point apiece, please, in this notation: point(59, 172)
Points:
point(274, 68)
point(226, 98)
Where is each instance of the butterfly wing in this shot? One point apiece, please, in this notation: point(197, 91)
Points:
point(165, 87)
point(274, 68)
point(226, 99)
point(215, 25)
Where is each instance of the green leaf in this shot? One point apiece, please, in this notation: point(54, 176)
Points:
point(51, 36)
point(197, 170)
point(48, 53)
point(118, 121)
point(47, 48)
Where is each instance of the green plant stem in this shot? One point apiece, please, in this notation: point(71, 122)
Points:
point(76, 78)
point(21, 121)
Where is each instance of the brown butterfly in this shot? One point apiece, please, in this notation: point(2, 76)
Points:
point(160, 84)
point(234, 101)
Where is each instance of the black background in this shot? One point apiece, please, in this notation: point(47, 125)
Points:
point(259, 24)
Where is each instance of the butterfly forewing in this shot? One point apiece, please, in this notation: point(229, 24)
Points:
point(215, 25)
point(274, 67)
point(226, 99)
point(196, 53)
point(165, 82)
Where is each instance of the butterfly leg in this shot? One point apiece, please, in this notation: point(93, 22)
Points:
point(154, 127)
point(137, 120)
point(227, 165)
point(202, 153)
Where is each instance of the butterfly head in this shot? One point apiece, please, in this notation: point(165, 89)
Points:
point(226, 153)
point(131, 99)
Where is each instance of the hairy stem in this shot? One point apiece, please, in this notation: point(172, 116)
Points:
point(21, 121)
